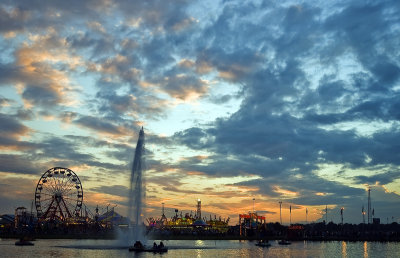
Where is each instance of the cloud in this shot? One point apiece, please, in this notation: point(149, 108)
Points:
point(19, 164)
point(12, 19)
point(118, 190)
point(384, 178)
point(11, 127)
point(99, 125)
point(318, 85)
point(184, 87)
point(12, 132)
point(36, 72)
point(277, 128)
point(16, 192)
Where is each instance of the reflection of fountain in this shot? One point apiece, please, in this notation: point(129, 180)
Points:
point(137, 194)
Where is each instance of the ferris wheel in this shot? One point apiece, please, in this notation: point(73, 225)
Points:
point(58, 194)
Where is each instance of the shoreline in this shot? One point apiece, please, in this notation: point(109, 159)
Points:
point(112, 236)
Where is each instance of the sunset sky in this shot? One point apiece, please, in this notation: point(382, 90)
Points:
point(292, 101)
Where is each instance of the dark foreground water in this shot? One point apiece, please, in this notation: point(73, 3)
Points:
point(200, 248)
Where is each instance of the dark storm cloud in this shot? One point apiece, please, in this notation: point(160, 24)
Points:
point(55, 151)
point(384, 148)
point(157, 58)
point(118, 190)
point(11, 131)
point(98, 124)
point(195, 138)
point(90, 141)
point(39, 90)
point(40, 95)
point(183, 87)
point(8, 71)
point(12, 19)
point(68, 151)
point(171, 16)
point(15, 144)
point(384, 178)
point(19, 164)
point(58, 148)
point(25, 114)
point(11, 128)
point(115, 105)
point(34, 15)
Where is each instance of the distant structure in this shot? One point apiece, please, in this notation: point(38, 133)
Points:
point(306, 216)
point(249, 222)
point(341, 214)
point(326, 213)
point(58, 195)
point(198, 209)
point(369, 206)
point(363, 214)
point(188, 223)
point(22, 218)
point(163, 218)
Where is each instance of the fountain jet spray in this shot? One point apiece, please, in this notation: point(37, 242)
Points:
point(137, 192)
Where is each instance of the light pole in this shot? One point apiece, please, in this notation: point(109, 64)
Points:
point(107, 216)
point(369, 205)
point(253, 205)
point(341, 213)
point(363, 214)
point(280, 211)
point(306, 215)
point(326, 214)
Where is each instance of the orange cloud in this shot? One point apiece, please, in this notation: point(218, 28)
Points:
point(285, 192)
point(39, 79)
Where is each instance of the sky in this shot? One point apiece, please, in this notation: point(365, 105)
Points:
point(291, 101)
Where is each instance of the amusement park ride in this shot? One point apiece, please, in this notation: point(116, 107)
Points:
point(58, 195)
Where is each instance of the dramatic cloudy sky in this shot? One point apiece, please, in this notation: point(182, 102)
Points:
point(292, 101)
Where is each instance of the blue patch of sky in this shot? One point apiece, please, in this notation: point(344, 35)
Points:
point(199, 112)
point(10, 92)
point(7, 52)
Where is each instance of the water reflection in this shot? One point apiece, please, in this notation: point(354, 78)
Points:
point(199, 243)
point(201, 248)
point(199, 252)
point(365, 249)
point(344, 249)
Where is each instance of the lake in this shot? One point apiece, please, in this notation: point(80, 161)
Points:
point(199, 248)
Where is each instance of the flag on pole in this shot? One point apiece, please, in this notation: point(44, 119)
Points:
point(373, 212)
point(306, 211)
point(290, 208)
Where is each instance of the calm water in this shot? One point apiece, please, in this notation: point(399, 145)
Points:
point(111, 248)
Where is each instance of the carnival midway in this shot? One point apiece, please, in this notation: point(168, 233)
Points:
point(59, 211)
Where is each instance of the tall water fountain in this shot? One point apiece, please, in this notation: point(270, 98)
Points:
point(136, 204)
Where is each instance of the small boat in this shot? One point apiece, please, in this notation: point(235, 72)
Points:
point(139, 247)
point(263, 243)
point(147, 249)
point(22, 242)
point(284, 242)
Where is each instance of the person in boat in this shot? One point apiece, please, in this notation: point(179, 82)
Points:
point(161, 245)
point(155, 245)
point(138, 244)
